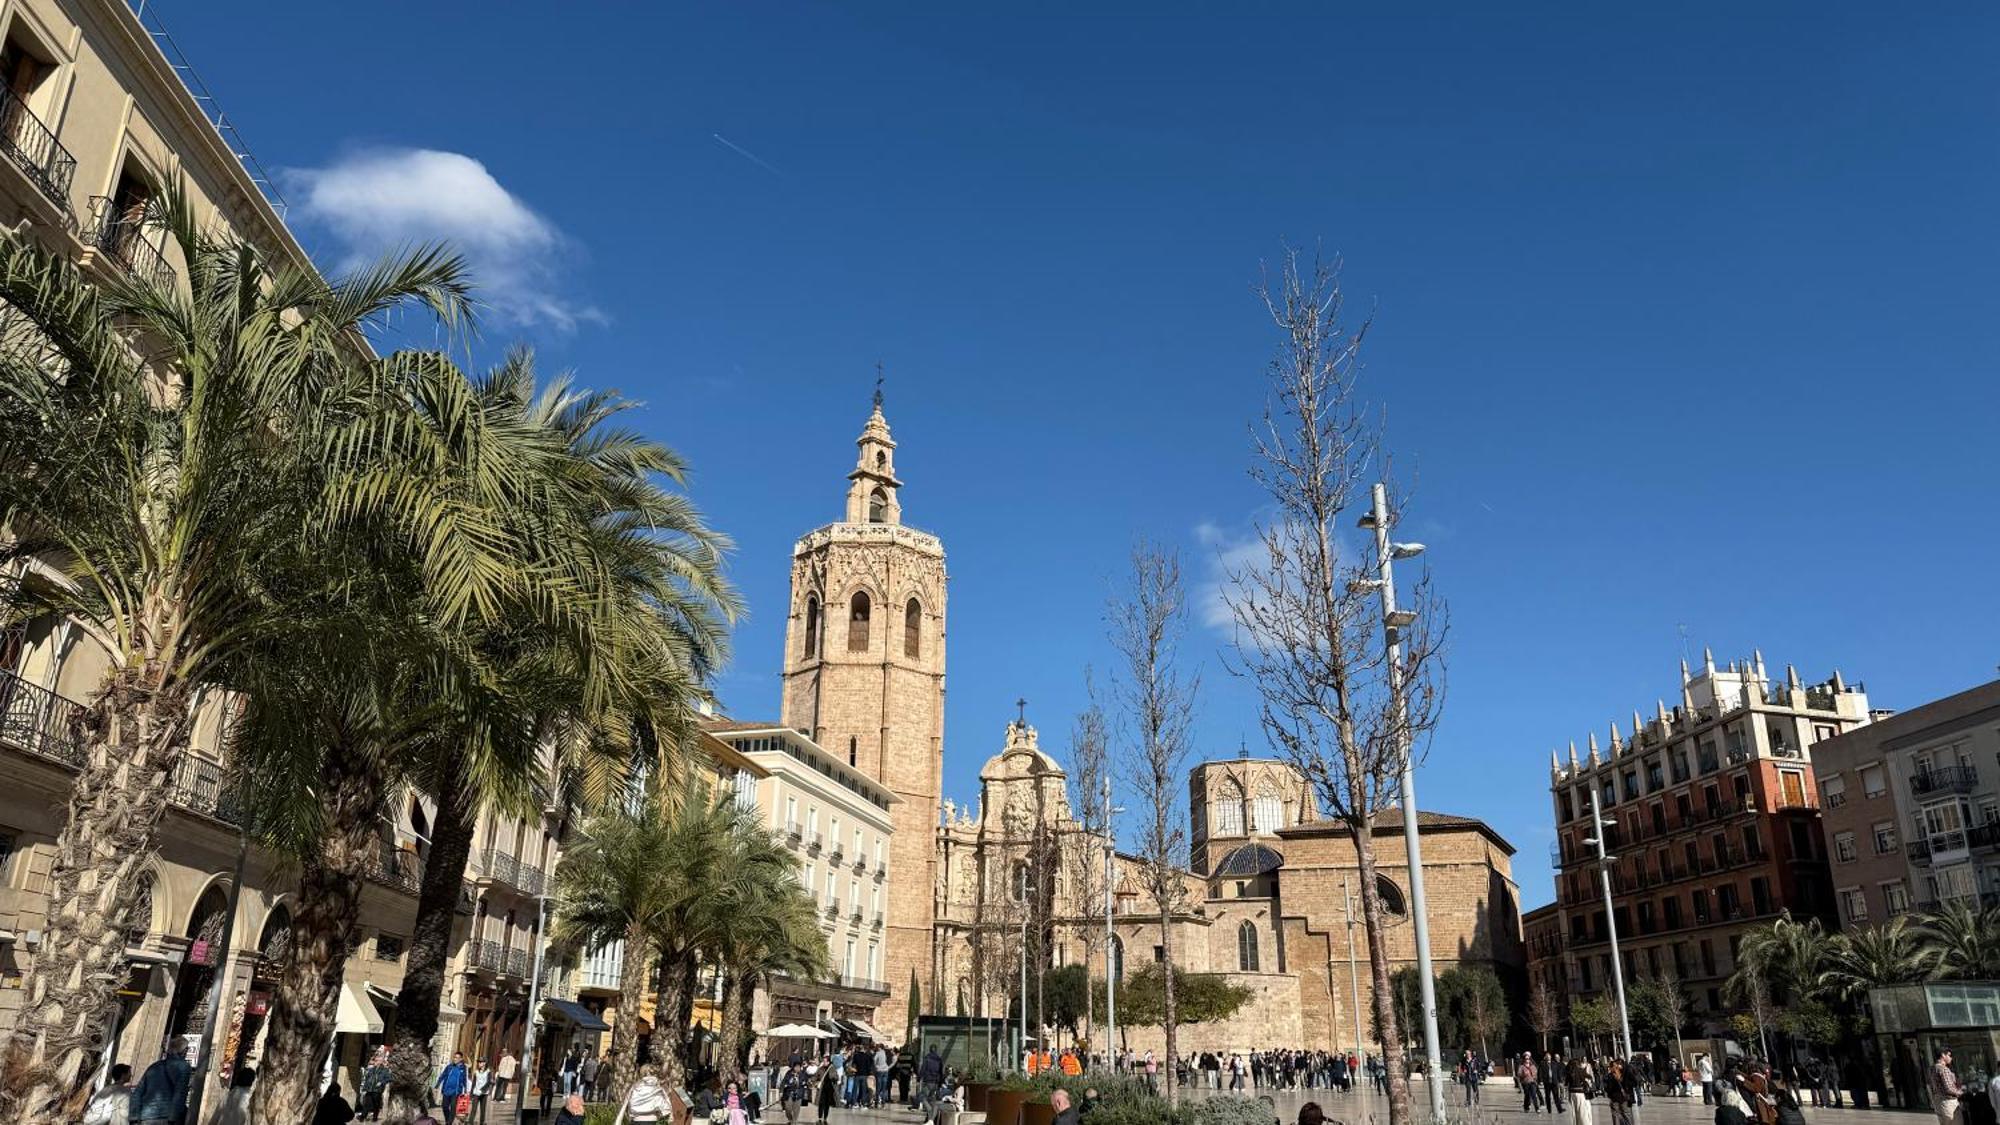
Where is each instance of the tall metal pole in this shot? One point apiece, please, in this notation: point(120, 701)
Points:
point(199, 1081)
point(1392, 632)
point(535, 983)
point(1024, 979)
point(1353, 974)
point(1610, 920)
point(1110, 941)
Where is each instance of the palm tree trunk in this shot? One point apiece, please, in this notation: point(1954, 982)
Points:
point(624, 1060)
point(739, 989)
point(671, 1008)
point(1378, 971)
point(325, 932)
point(417, 1002)
point(138, 729)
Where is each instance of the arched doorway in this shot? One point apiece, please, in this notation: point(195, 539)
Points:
point(188, 1014)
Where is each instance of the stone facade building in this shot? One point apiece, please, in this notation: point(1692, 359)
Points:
point(1714, 828)
point(1912, 805)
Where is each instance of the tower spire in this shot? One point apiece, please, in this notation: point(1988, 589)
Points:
point(872, 486)
point(878, 386)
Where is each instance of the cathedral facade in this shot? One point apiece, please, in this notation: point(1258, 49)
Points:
point(1015, 875)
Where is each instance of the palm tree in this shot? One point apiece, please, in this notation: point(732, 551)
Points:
point(1964, 941)
point(1785, 955)
point(767, 923)
point(1892, 953)
point(162, 452)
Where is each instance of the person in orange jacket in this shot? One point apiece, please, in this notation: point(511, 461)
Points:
point(1071, 1065)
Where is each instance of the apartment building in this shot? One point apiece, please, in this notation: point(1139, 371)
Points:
point(841, 824)
point(1543, 942)
point(96, 120)
point(1913, 808)
point(1712, 825)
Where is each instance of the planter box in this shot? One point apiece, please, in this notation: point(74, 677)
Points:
point(1003, 1107)
point(976, 1094)
point(1038, 1113)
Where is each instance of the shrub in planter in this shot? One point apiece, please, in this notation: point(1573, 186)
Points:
point(1233, 1111)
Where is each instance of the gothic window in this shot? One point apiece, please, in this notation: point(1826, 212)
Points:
point(853, 751)
point(878, 506)
point(1391, 896)
point(1229, 810)
point(812, 627)
point(1246, 947)
point(1268, 814)
point(913, 630)
point(1117, 958)
point(857, 623)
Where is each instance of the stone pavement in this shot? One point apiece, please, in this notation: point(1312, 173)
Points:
point(1500, 1104)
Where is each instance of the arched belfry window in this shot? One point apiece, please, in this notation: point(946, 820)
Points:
point(812, 627)
point(1246, 947)
point(881, 459)
point(1391, 896)
point(1267, 814)
point(913, 630)
point(1228, 811)
point(857, 623)
point(878, 505)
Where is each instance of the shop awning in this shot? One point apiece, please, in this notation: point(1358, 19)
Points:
point(846, 1029)
point(381, 997)
point(868, 1031)
point(582, 1017)
point(357, 1015)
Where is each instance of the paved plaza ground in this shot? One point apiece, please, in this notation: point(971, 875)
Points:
point(1500, 1104)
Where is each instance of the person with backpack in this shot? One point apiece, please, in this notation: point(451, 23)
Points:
point(648, 1101)
point(161, 1095)
point(1578, 1078)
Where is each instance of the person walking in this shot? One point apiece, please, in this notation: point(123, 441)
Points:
point(161, 1095)
point(482, 1084)
point(829, 1090)
point(1530, 1082)
point(1945, 1090)
point(1552, 1082)
point(880, 1072)
point(1705, 1070)
point(503, 1075)
point(647, 1102)
point(374, 1082)
point(113, 1104)
point(1618, 1091)
point(1578, 1078)
point(572, 1111)
point(792, 1091)
point(588, 1072)
point(930, 1075)
point(452, 1081)
point(332, 1108)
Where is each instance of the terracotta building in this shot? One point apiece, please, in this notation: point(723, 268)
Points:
point(1714, 827)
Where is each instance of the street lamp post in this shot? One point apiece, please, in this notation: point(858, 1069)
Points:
point(1610, 918)
point(535, 982)
point(1394, 621)
point(1110, 940)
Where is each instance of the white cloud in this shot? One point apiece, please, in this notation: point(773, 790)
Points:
point(1227, 555)
point(378, 200)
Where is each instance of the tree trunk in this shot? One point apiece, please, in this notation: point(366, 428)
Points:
point(739, 992)
point(624, 1060)
point(137, 731)
point(671, 1006)
point(325, 932)
point(1378, 972)
point(416, 1019)
point(1172, 1016)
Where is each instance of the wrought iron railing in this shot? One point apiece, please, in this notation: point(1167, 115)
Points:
point(198, 785)
point(517, 962)
point(397, 869)
point(484, 954)
point(121, 234)
point(498, 866)
point(1944, 779)
point(529, 879)
point(40, 721)
point(33, 147)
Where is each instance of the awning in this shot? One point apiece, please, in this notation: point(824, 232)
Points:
point(848, 1029)
point(357, 1016)
point(868, 1032)
point(582, 1017)
point(380, 996)
point(449, 1014)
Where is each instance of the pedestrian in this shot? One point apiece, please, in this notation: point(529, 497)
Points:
point(647, 1102)
point(482, 1084)
point(930, 1074)
point(732, 1105)
point(374, 1081)
point(452, 1082)
point(1065, 1112)
point(1530, 1082)
point(829, 1090)
point(332, 1108)
point(572, 1063)
point(1706, 1070)
point(588, 1072)
point(880, 1070)
point(792, 1091)
point(503, 1075)
point(1578, 1078)
point(111, 1105)
point(161, 1095)
point(1618, 1091)
point(1730, 1108)
point(1787, 1098)
point(1945, 1090)
point(1829, 1080)
point(572, 1111)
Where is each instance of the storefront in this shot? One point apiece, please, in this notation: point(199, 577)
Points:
point(1914, 1021)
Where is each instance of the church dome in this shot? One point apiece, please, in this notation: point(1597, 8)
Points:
point(1248, 860)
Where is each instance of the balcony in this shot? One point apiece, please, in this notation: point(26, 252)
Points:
point(484, 955)
point(34, 149)
point(833, 908)
point(855, 917)
point(792, 834)
point(397, 870)
point(860, 864)
point(881, 871)
point(121, 236)
point(833, 857)
point(1984, 836)
point(530, 880)
point(878, 920)
point(862, 984)
point(497, 866)
point(1925, 850)
point(813, 844)
point(1944, 779)
point(198, 786)
point(39, 721)
point(517, 963)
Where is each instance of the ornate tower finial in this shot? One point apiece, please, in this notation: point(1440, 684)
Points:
point(878, 384)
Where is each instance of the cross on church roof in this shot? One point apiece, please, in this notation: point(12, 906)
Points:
point(1023, 705)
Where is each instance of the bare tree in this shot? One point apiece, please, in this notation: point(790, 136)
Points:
point(1306, 614)
point(1674, 1006)
point(1155, 698)
point(1088, 745)
point(1543, 1015)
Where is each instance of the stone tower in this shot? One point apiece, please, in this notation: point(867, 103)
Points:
point(864, 676)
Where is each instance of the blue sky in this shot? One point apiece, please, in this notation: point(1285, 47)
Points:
point(1684, 317)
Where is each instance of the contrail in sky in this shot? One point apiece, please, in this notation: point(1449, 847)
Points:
point(746, 154)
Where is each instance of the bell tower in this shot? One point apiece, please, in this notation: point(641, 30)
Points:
point(864, 677)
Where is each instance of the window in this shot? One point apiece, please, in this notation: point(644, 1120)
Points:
point(388, 947)
point(1792, 787)
point(874, 962)
point(1268, 813)
point(833, 833)
point(1885, 837)
point(1246, 947)
point(1391, 896)
point(1118, 958)
point(913, 630)
point(812, 820)
point(812, 627)
point(878, 505)
point(1853, 904)
point(853, 751)
point(832, 890)
point(1671, 909)
point(1609, 793)
point(791, 814)
point(1895, 898)
point(1229, 810)
point(847, 962)
point(1833, 791)
point(857, 845)
point(1760, 895)
point(857, 622)
point(1874, 782)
